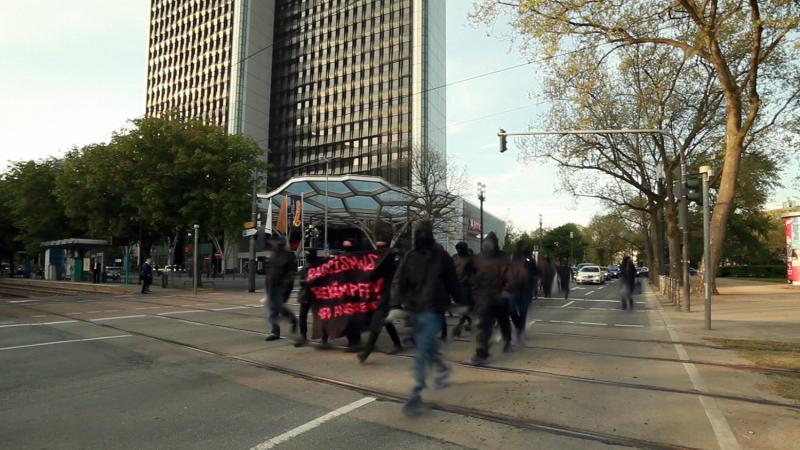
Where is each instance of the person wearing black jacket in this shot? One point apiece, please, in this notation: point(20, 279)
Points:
point(464, 271)
point(564, 273)
point(378, 323)
point(303, 297)
point(521, 287)
point(424, 283)
point(490, 291)
point(278, 285)
point(146, 272)
point(627, 279)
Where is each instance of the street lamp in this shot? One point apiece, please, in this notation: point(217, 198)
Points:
point(195, 251)
point(707, 172)
point(327, 163)
point(684, 201)
point(570, 249)
point(482, 198)
point(541, 233)
point(251, 266)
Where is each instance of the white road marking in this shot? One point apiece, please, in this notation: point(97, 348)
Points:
point(92, 312)
point(626, 325)
point(589, 292)
point(181, 312)
point(36, 324)
point(567, 304)
point(22, 301)
point(153, 307)
point(561, 321)
point(578, 288)
point(294, 432)
point(40, 315)
point(593, 323)
point(576, 307)
point(65, 342)
point(74, 313)
point(232, 307)
point(101, 319)
point(725, 437)
point(185, 306)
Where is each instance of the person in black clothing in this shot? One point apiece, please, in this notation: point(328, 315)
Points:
point(489, 290)
point(424, 284)
point(464, 271)
point(278, 286)
point(96, 268)
point(548, 275)
point(303, 297)
point(520, 286)
point(385, 271)
point(146, 272)
point(564, 273)
point(627, 279)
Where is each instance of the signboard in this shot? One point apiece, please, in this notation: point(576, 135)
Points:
point(249, 232)
point(249, 224)
point(793, 249)
point(344, 290)
point(474, 227)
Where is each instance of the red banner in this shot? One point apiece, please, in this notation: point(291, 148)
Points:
point(344, 290)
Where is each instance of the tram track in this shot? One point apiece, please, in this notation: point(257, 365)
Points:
point(490, 416)
point(513, 370)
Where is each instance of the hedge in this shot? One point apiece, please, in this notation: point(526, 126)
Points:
point(752, 271)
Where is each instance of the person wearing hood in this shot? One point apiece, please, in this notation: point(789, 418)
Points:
point(379, 322)
point(304, 296)
point(464, 271)
point(423, 285)
point(627, 282)
point(548, 275)
point(279, 283)
point(489, 291)
point(521, 281)
point(564, 273)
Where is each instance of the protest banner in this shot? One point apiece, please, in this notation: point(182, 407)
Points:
point(344, 290)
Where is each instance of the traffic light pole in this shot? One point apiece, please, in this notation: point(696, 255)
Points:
point(707, 172)
point(502, 134)
point(251, 265)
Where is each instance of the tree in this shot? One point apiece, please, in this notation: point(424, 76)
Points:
point(8, 232)
point(610, 237)
point(162, 176)
point(34, 209)
point(750, 47)
point(557, 242)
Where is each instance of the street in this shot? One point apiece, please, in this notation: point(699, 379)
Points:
point(171, 370)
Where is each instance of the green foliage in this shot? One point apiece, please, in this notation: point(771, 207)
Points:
point(556, 242)
point(609, 237)
point(761, 271)
point(33, 208)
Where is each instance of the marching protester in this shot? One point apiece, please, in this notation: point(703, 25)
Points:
point(146, 274)
point(423, 285)
point(491, 299)
point(386, 271)
point(564, 273)
point(548, 275)
point(534, 269)
point(303, 297)
point(627, 279)
point(520, 283)
point(278, 286)
point(462, 261)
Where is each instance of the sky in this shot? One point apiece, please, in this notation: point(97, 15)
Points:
point(75, 71)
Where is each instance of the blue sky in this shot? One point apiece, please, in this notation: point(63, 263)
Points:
point(74, 71)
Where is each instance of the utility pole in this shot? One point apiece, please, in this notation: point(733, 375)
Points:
point(502, 134)
point(570, 249)
point(541, 234)
point(195, 251)
point(327, 172)
point(482, 198)
point(707, 172)
point(251, 266)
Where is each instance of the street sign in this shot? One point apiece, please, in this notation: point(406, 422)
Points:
point(249, 224)
point(249, 232)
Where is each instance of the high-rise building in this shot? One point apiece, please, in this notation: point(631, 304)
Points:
point(356, 83)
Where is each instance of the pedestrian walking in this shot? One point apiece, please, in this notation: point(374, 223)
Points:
point(520, 286)
point(627, 280)
point(146, 274)
point(424, 284)
point(564, 274)
point(96, 268)
point(386, 271)
point(465, 269)
point(278, 286)
point(548, 275)
point(491, 297)
point(304, 297)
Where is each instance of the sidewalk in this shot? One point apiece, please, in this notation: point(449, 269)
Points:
point(744, 309)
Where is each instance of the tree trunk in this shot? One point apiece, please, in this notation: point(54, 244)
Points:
point(673, 240)
point(727, 185)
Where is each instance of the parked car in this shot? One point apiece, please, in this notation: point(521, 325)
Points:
point(693, 271)
point(113, 273)
point(577, 268)
point(613, 271)
point(590, 274)
point(606, 275)
point(642, 271)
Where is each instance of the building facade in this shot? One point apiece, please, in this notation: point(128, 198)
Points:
point(344, 86)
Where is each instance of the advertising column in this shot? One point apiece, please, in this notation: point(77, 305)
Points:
point(793, 248)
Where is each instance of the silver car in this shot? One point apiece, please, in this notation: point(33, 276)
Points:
point(590, 274)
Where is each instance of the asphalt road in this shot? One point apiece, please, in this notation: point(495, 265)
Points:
point(173, 371)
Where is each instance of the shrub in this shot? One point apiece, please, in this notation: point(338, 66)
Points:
point(753, 271)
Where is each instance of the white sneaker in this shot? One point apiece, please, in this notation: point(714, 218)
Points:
point(263, 300)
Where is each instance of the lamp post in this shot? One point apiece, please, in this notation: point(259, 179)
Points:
point(327, 165)
point(684, 207)
point(570, 249)
point(541, 233)
point(195, 251)
point(251, 266)
point(707, 172)
point(482, 198)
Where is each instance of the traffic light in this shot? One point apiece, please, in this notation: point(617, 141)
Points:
point(694, 190)
point(503, 144)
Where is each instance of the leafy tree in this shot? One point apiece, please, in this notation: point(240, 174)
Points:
point(34, 209)
point(749, 47)
point(610, 237)
point(8, 233)
point(557, 242)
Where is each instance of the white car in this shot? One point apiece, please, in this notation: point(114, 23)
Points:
point(590, 274)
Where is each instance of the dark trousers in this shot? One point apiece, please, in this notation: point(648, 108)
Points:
point(276, 307)
point(303, 319)
point(519, 310)
point(95, 276)
point(147, 280)
point(379, 323)
point(497, 311)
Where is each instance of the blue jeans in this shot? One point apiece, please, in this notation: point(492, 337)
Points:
point(427, 326)
point(275, 308)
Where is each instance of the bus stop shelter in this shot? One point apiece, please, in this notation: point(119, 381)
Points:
point(68, 258)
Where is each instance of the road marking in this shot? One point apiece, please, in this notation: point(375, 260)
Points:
point(74, 313)
point(593, 323)
point(40, 315)
point(725, 437)
point(576, 307)
point(186, 306)
point(627, 325)
point(561, 321)
point(578, 288)
point(181, 312)
point(270, 443)
point(101, 319)
point(589, 292)
point(22, 301)
point(65, 342)
point(232, 307)
point(567, 304)
point(36, 324)
point(92, 312)
point(153, 307)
